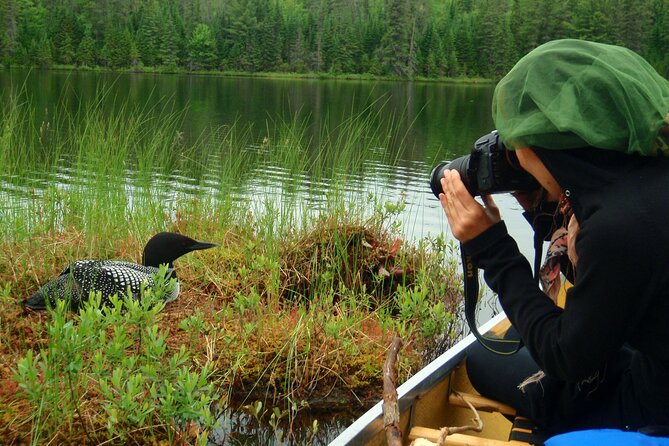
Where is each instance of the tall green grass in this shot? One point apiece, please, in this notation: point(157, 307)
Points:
point(115, 166)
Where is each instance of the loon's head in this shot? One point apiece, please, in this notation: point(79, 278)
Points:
point(166, 247)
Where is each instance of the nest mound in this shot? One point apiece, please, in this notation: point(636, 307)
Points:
point(355, 257)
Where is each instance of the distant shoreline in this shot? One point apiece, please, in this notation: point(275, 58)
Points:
point(264, 75)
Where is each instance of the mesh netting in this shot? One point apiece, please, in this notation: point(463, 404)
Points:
point(573, 93)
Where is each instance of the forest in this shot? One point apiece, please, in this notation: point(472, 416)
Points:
point(397, 38)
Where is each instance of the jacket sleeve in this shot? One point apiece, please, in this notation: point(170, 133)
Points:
point(602, 308)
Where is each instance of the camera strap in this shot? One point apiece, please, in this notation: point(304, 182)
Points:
point(471, 291)
point(470, 272)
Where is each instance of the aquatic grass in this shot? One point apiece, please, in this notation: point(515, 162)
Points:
point(130, 159)
point(24, 142)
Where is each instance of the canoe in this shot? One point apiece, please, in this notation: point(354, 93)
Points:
point(433, 399)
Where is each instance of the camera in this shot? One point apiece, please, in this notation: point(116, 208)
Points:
point(489, 169)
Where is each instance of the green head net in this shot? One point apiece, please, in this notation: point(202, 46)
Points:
point(570, 93)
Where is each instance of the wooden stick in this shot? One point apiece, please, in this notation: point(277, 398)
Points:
point(391, 411)
point(476, 427)
point(482, 403)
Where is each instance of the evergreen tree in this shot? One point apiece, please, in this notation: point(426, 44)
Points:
point(8, 31)
point(399, 37)
point(148, 36)
point(525, 25)
point(465, 48)
point(297, 54)
point(6, 51)
point(658, 38)
point(64, 46)
point(396, 46)
point(634, 23)
point(593, 20)
point(432, 60)
point(86, 51)
point(202, 48)
point(237, 36)
point(42, 53)
point(553, 18)
point(267, 40)
point(493, 39)
point(168, 55)
point(31, 33)
point(117, 47)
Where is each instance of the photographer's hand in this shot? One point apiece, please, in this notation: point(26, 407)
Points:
point(466, 217)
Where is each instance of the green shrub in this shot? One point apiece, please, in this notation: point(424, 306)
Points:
point(104, 375)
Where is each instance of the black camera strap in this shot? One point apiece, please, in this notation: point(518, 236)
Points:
point(471, 293)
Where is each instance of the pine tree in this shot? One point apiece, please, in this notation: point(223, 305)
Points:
point(267, 39)
point(396, 46)
point(593, 20)
point(202, 48)
point(8, 31)
point(493, 40)
point(634, 23)
point(148, 35)
point(237, 36)
point(297, 54)
point(31, 33)
point(117, 47)
point(658, 38)
point(451, 64)
point(398, 37)
point(64, 48)
point(168, 54)
point(42, 53)
point(85, 55)
point(465, 48)
point(525, 25)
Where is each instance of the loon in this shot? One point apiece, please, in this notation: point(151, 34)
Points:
point(112, 277)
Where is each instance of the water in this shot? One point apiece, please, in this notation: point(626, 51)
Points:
point(435, 121)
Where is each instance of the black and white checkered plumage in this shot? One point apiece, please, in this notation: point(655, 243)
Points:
point(112, 277)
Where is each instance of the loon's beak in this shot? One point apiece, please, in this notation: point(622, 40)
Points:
point(201, 245)
point(35, 302)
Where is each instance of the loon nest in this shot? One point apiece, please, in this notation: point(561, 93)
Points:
point(351, 257)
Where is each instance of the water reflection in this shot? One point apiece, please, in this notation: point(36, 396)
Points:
point(237, 428)
point(433, 119)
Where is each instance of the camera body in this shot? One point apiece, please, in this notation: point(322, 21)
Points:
point(489, 169)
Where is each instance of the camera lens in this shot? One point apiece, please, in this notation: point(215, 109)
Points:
point(436, 176)
point(460, 164)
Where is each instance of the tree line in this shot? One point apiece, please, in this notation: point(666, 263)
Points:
point(406, 39)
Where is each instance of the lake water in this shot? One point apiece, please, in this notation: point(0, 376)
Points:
point(436, 121)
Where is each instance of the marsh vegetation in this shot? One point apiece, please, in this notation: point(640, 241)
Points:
point(288, 319)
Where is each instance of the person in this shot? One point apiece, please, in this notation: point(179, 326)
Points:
point(590, 122)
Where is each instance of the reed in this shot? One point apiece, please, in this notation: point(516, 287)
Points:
point(294, 309)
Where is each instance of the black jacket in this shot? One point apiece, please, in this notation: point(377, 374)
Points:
point(621, 291)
